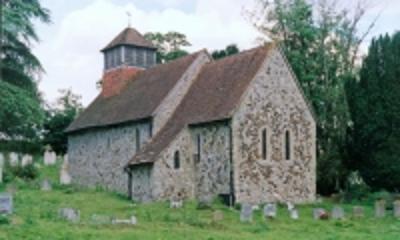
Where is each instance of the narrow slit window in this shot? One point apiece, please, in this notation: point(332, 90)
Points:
point(198, 146)
point(177, 162)
point(287, 145)
point(264, 143)
point(137, 139)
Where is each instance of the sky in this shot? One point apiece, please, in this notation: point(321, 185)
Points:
point(70, 47)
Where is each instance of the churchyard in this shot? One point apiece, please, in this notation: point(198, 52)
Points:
point(44, 209)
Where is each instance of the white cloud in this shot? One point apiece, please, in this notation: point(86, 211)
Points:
point(71, 54)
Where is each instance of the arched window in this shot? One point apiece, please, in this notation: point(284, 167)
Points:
point(177, 162)
point(264, 149)
point(287, 145)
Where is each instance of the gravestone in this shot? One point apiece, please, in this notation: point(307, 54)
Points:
point(358, 212)
point(270, 210)
point(256, 207)
point(100, 219)
point(65, 177)
point(176, 203)
point(6, 203)
point(49, 157)
point(380, 208)
point(46, 185)
point(290, 206)
point(218, 216)
point(294, 214)
point(69, 214)
point(131, 221)
point(246, 213)
point(337, 212)
point(13, 158)
point(396, 208)
point(320, 213)
point(26, 160)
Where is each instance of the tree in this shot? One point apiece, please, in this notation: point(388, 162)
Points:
point(321, 43)
point(58, 118)
point(229, 50)
point(374, 137)
point(19, 68)
point(169, 45)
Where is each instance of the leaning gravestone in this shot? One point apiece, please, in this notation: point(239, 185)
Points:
point(46, 185)
point(337, 212)
point(6, 204)
point(358, 212)
point(380, 208)
point(13, 158)
point(65, 178)
point(176, 203)
point(270, 210)
point(69, 214)
point(49, 157)
point(246, 213)
point(26, 160)
point(396, 208)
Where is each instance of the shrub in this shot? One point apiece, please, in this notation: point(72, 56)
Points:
point(4, 220)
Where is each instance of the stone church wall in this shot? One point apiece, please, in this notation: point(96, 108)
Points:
point(97, 157)
point(212, 166)
point(168, 182)
point(274, 102)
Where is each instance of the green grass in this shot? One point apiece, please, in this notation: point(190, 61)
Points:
point(36, 217)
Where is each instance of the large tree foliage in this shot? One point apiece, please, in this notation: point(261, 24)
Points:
point(229, 50)
point(19, 68)
point(374, 102)
point(58, 118)
point(321, 42)
point(169, 45)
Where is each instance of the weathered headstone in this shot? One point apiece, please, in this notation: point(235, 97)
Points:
point(131, 221)
point(100, 219)
point(294, 214)
point(270, 210)
point(46, 185)
point(218, 216)
point(176, 203)
point(246, 213)
point(49, 157)
point(65, 178)
point(13, 158)
point(337, 212)
point(6, 203)
point(290, 206)
point(380, 208)
point(69, 214)
point(320, 213)
point(396, 208)
point(26, 160)
point(358, 212)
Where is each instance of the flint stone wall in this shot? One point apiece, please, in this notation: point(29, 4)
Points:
point(213, 167)
point(274, 102)
point(97, 157)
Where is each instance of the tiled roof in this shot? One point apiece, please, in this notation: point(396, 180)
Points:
point(137, 100)
point(129, 36)
point(213, 96)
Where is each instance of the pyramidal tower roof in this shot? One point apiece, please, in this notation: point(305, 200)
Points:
point(129, 36)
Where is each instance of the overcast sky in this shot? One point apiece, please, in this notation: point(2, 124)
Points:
point(69, 47)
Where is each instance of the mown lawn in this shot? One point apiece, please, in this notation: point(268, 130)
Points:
point(36, 217)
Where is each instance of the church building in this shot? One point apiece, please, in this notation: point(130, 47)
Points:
point(196, 128)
